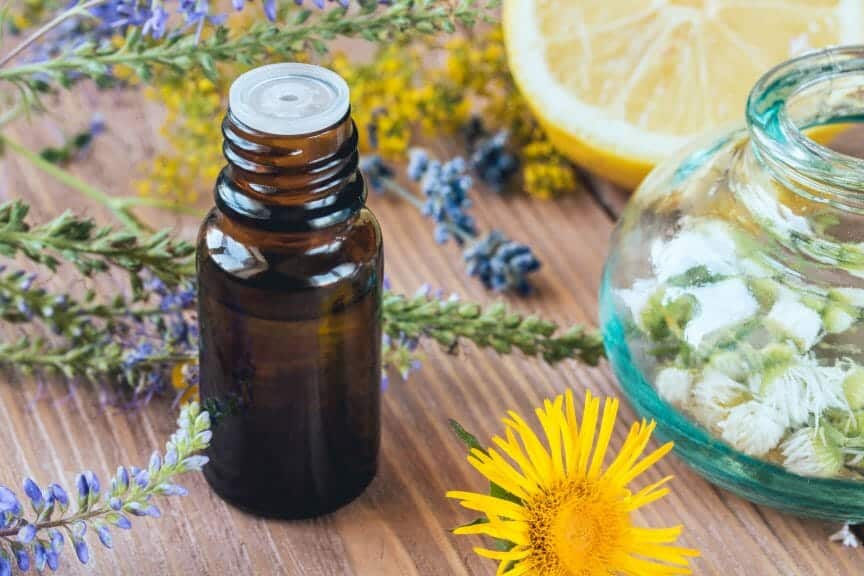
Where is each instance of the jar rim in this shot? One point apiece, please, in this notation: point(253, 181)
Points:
point(781, 141)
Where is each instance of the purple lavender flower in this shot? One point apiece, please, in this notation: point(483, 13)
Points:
point(22, 558)
point(59, 494)
point(92, 482)
point(104, 536)
point(270, 9)
point(53, 559)
point(5, 567)
point(39, 556)
point(376, 171)
point(492, 162)
point(445, 187)
point(82, 551)
point(155, 24)
point(501, 264)
point(32, 490)
point(9, 504)
point(56, 540)
point(83, 489)
point(418, 161)
point(26, 533)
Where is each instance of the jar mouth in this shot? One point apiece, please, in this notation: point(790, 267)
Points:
point(819, 88)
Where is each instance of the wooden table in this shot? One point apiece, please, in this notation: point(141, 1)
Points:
point(400, 526)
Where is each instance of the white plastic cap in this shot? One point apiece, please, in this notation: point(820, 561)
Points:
point(289, 99)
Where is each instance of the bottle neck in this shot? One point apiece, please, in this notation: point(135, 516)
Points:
point(290, 183)
point(817, 89)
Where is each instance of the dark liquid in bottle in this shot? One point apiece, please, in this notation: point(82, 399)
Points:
point(290, 272)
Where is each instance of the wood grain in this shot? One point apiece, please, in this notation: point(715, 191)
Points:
point(400, 526)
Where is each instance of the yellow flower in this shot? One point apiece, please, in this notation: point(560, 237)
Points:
point(564, 514)
point(188, 390)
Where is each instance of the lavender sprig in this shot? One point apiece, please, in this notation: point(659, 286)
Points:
point(396, 19)
point(37, 539)
point(142, 360)
point(499, 263)
point(22, 301)
point(449, 322)
point(93, 249)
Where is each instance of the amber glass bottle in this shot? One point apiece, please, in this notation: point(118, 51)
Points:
point(289, 290)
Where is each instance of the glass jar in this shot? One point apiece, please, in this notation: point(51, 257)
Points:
point(732, 302)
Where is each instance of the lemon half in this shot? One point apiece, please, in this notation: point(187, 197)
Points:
point(621, 84)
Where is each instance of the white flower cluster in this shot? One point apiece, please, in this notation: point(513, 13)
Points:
point(740, 349)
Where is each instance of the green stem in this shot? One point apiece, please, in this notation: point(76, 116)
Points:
point(10, 532)
point(117, 205)
point(12, 113)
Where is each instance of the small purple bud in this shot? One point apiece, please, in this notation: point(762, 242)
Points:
point(172, 490)
point(195, 462)
point(136, 509)
point(155, 462)
point(104, 536)
point(39, 556)
point(123, 523)
point(56, 541)
point(27, 533)
point(142, 479)
point(9, 502)
point(53, 560)
point(153, 511)
point(122, 477)
point(238, 4)
point(59, 494)
point(33, 492)
point(92, 482)
point(270, 9)
point(82, 486)
point(115, 503)
point(82, 551)
point(171, 457)
point(23, 559)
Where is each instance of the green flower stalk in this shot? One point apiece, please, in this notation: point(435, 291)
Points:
point(93, 249)
point(449, 322)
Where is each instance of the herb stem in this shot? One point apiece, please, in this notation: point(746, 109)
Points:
point(10, 532)
point(117, 205)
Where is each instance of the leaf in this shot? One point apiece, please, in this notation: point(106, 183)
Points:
point(499, 492)
point(466, 437)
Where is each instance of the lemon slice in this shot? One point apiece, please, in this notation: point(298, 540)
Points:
point(621, 84)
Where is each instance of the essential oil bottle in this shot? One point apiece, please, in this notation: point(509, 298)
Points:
point(290, 270)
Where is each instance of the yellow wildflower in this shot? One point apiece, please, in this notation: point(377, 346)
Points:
point(563, 513)
point(187, 389)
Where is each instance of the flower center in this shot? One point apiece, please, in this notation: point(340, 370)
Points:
point(578, 529)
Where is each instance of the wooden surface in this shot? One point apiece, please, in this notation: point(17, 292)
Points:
point(400, 525)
